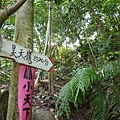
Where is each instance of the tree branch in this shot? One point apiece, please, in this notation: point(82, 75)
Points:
point(6, 12)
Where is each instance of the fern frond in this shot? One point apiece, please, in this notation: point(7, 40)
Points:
point(98, 105)
point(63, 100)
point(79, 84)
point(105, 101)
point(110, 69)
point(113, 99)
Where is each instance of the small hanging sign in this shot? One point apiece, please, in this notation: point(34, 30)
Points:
point(25, 90)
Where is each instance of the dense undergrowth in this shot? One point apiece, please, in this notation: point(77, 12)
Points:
point(100, 85)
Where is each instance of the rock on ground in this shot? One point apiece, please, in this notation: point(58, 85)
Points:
point(41, 114)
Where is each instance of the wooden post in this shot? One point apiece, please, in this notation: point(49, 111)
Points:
point(50, 75)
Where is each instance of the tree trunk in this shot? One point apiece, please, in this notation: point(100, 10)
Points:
point(50, 75)
point(24, 37)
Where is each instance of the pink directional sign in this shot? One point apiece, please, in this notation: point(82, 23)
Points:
point(25, 89)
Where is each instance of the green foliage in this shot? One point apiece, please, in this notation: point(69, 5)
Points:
point(80, 83)
point(75, 90)
point(6, 3)
point(63, 100)
point(113, 98)
point(105, 100)
point(3, 104)
point(5, 70)
point(105, 92)
point(106, 96)
point(111, 69)
point(65, 59)
point(40, 23)
point(98, 105)
point(96, 21)
point(111, 6)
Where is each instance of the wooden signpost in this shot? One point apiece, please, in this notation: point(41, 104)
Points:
point(29, 61)
point(25, 56)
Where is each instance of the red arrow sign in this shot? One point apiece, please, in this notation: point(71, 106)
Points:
point(52, 68)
